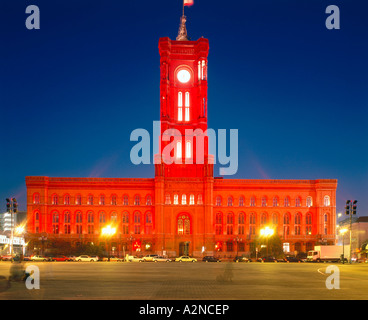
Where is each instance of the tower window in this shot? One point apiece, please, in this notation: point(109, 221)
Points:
point(187, 105)
point(188, 149)
point(178, 150)
point(180, 106)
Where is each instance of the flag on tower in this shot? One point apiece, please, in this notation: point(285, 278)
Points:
point(188, 2)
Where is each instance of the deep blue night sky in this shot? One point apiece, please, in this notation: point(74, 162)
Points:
point(72, 92)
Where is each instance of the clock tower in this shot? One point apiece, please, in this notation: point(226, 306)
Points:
point(183, 95)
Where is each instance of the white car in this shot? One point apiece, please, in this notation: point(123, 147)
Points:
point(186, 259)
point(135, 259)
point(161, 259)
point(85, 258)
point(149, 257)
point(39, 258)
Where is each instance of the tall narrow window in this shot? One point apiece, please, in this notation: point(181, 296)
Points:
point(176, 199)
point(188, 149)
point(184, 199)
point(187, 105)
point(191, 199)
point(180, 106)
point(178, 150)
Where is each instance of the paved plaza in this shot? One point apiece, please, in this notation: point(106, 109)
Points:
point(187, 281)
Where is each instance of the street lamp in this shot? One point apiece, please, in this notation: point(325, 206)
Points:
point(342, 232)
point(131, 239)
point(108, 232)
point(267, 232)
point(237, 240)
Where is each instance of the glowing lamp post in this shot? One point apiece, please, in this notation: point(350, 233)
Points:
point(108, 232)
point(267, 233)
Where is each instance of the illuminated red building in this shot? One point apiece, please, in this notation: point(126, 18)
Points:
point(184, 209)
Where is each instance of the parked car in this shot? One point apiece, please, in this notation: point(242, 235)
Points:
point(292, 259)
point(60, 258)
point(39, 258)
point(134, 259)
point(71, 258)
point(241, 259)
point(113, 258)
point(149, 257)
point(85, 258)
point(97, 258)
point(185, 259)
point(161, 259)
point(7, 257)
point(210, 259)
point(267, 259)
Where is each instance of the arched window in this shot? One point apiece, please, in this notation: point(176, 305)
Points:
point(297, 202)
point(326, 223)
point(230, 201)
point(102, 200)
point(286, 224)
point(55, 223)
point(176, 199)
point(90, 200)
point(218, 201)
point(125, 200)
point(187, 105)
point(200, 199)
point(264, 202)
point(137, 222)
point(275, 201)
point(252, 202)
point(78, 222)
point(55, 199)
point(308, 223)
point(178, 149)
point(264, 218)
point(286, 201)
point(274, 219)
point(78, 199)
point(67, 222)
point(102, 218)
point(188, 149)
point(230, 223)
point(309, 202)
point(218, 223)
point(252, 224)
point(90, 221)
point(125, 222)
point(326, 201)
point(149, 200)
point(167, 199)
point(184, 199)
point(191, 199)
point(148, 225)
point(180, 106)
point(67, 199)
point(241, 220)
point(297, 222)
point(137, 200)
point(241, 201)
point(36, 198)
point(113, 200)
point(184, 225)
point(114, 217)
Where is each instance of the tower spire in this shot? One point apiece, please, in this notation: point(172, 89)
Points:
point(183, 34)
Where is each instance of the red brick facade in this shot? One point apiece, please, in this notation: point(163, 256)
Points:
point(184, 209)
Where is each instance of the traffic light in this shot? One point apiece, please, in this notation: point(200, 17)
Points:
point(355, 207)
point(347, 208)
point(8, 205)
point(15, 205)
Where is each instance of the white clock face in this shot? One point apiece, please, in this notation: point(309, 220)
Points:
point(183, 76)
